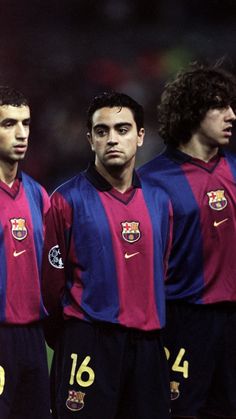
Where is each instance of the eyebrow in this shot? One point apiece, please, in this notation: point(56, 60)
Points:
point(118, 125)
point(14, 120)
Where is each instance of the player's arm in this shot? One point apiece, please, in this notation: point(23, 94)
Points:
point(169, 238)
point(53, 272)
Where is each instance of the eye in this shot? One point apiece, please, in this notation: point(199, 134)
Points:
point(101, 132)
point(123, 130)
point(8, 123)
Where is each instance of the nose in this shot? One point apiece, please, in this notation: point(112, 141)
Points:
point(112, 137)
point(231, 114)
point(22, 131)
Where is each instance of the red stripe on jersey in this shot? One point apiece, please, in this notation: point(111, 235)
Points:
point(133, 250)
point(22, 283)
point(215, 194)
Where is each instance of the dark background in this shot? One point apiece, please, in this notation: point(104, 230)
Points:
point(62, 53)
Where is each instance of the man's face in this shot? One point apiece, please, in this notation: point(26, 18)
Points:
point(114, 137)
point(216, 128)
point(14, 132)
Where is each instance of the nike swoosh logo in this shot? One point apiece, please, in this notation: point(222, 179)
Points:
point(18, 253)
point(217, 223)
point(128, 256)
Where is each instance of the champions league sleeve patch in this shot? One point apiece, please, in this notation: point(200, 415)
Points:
point(54, 257)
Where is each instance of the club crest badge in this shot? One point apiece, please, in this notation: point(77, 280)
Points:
point(174, 390)
point(18, 228)
point(75, 400)
point(217, 200)
point(130, 231)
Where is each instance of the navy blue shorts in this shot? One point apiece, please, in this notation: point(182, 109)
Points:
point(200, 344)
point(109, 372)
point(24, 378)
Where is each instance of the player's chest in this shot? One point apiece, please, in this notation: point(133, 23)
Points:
point(127, 222)
point(15, 217)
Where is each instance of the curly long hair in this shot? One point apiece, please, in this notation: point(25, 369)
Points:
point(186, 100)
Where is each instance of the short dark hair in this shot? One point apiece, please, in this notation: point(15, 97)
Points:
point(11, 96)
point(115, 99)
point(186, 100)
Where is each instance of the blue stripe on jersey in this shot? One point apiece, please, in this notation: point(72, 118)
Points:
point(93, 248)
point(165, 173)
point(33, 192)
point(160, 221)
point(35, 200)
point(3, 276)
point(232, 162)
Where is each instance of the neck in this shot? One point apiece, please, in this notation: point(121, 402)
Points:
point(121, 180)
point(8, 173)
point(197, 150)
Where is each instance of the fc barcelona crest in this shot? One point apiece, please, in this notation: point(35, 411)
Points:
point(174, 390)
point(217, 200)
point(75, 400)
point(18, 228)
point(130, 231)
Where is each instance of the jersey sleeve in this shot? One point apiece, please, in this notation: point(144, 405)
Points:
point(169, 240)
point(53, 272)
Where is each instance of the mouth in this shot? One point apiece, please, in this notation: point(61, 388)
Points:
point(20, 148)
point(113, 153)
point(228, 131)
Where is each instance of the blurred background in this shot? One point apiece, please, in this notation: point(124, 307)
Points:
point(61, 53)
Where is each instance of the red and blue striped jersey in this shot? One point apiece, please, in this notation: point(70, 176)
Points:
point(202, 265)
point(107, 252)
point(22, 229)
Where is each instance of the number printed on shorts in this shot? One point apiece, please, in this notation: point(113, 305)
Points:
point(179, 364)
point(84, 375)
point(2, 379)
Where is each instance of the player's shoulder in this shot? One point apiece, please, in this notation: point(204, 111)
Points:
point(32, 184)
point(156, 164)
point(69, 187)
point(26, 178)
point(159, 164)
point(35, 192)
point(150, 187)
point(229, 155)
point(154, 191)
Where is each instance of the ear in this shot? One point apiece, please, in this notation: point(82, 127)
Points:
point(141, 135)
point(90, 140)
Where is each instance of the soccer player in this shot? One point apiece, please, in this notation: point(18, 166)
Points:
point(196, 115)
point(106, 269)
point(24, 380)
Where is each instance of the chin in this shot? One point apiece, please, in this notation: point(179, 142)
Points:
point(226, 141)
point(114, 163)
point(220, 143)
point(19, 157)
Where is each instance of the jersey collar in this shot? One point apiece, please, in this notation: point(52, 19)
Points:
point(179, 157)
point(101, 183)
